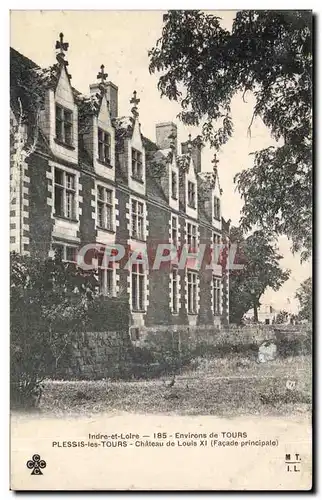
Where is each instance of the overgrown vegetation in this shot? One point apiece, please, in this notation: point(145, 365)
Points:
point(49, 300)
point(267, 53)
point(304, 295)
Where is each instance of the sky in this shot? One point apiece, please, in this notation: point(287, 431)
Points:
point(120, 40)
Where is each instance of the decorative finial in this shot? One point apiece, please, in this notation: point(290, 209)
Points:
point(135, 101)
point(62, 47)
point(101, 75)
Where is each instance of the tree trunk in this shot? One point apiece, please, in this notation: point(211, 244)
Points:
point(255, 313)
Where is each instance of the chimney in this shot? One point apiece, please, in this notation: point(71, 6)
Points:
point(196, 146)
point(95, 88)
point(166, 135)
point(111, 95)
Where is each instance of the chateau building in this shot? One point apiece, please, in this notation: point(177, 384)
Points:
point(82, 174)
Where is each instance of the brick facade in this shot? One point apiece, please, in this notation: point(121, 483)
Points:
point(60, 184)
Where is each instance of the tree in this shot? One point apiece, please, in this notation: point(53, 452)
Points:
point(261, 269)
point(281, 317)
point(304, 296)
point(48, 307)
point(268, 53)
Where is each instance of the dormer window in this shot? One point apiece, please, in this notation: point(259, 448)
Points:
point(216, 208)
point(191, 194)
point(174, 185)
point(104, 146)
point(64, 125)
point(137, 165)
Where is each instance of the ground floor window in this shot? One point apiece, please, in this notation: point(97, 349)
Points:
point(192, 283)
point(106, 281)
point(216, 291)
point(67, 253)
point(175, 291)
point(138, 280)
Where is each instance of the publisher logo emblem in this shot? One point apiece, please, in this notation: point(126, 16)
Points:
point(36, 464)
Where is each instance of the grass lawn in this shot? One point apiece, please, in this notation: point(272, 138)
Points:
point(222, 387)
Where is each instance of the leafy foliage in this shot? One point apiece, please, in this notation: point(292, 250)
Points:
point(281, 317)
point(49, 300)
point(268, 53)
point(261, 270)
point(304, 296)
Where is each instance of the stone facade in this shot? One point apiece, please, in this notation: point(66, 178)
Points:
point(94, 178)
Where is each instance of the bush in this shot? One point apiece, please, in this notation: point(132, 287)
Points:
point(48, 304)
point(163, 354)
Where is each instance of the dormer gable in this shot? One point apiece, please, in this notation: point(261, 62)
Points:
point(210, 194)
point(96, 127)
point(163, 173)
point(104, 116)
point(64, 92)
point(130, 149)
point(59, 119)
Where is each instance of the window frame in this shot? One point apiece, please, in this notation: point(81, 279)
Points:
point(103, 144)
point(174, 240)
point(191, 236)
point(105, 205)
point(216, 295)
point(137, 217)
point(192, 292)
point(66, 189)
point(191, 194)
point(175, 278)
point(64, 247)
point(61, 137)
point(136, 164)
point(138, 300)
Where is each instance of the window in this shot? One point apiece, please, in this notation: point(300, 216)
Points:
point(104, 146)
point(192, 236)
point(138, 284)
point(105, 275)
point(216, 246)
point(64, 125)
point(216, 208)
point(175, 290)
point(105, 278)
point(191, 194)
point(67, 253)
point(174, 230)
point(137, 222)
point(65, 191)
point(216, 290)
point(192, 292)
point(137, 168)
point(104, 208)
point(174, 185)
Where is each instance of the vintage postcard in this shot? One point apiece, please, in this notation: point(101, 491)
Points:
point(160, 250)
